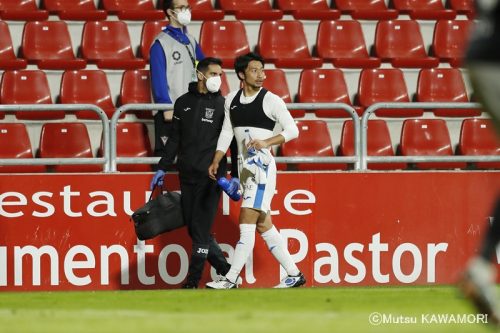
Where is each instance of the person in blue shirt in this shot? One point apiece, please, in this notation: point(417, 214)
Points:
point(173, 58)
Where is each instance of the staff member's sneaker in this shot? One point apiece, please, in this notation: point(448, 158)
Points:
point(292, 281)
point(224, 283)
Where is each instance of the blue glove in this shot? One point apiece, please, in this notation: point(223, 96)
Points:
point(157, 179)
point(231, 187)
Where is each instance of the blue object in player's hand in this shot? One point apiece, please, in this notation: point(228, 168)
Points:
point(231, 187)
point(157, 179)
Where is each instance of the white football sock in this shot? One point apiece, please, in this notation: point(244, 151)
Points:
point(242, 251)
point(276, 245)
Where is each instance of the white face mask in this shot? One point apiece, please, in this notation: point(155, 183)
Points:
point(184, 17)
point(213, 84)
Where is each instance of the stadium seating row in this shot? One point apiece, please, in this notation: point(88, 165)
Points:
point(241, 9)
point(70, 140)
point(315, 86)
point(419, 137)
point(107, 44)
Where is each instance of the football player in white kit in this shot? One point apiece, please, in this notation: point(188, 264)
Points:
point(251, 115)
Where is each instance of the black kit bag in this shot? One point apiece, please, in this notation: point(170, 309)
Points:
point(158, 215)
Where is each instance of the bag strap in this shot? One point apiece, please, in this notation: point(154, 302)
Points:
point(154, 188)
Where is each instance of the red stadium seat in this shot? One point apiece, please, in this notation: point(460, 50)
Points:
point(379, 143)
point(75, 10)
point(149, 31)
point(427, 137)
point(444, 85)
point(276, 82)
point(450, 40)
point(284, 44)
point(424, 9)
point(324, 86)
point(225, 40)
point(8, 60)
point(132, 140)
point(48, 45)
point(366, 10)
point(107, 44)
point(134, 10)
point(478, 137)
point(314, 140)
point(343, 43)
point(15, 143)
point(136, 88)
point(28, 87)
point(202, 10)
point(66, 140)
point(308, 9)
point(463, 7)
point(400, 42)
point(385, 85)
point(87, 87)
point(250, 9)
point(21, 10)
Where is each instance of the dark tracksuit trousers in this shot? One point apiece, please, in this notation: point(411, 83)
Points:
point(200, 201)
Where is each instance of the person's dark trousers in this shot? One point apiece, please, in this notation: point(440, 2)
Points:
point(200, 202)
point(492, 235)
point(162, 133)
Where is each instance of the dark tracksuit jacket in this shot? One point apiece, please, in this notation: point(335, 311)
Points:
point(196, 126)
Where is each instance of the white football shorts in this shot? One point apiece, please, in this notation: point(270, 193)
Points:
point(258, 186)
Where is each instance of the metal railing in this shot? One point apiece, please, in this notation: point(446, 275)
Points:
point(110, 160)
point(356, 159)
point(105, 160)
point(415, 159)
point(113, 142)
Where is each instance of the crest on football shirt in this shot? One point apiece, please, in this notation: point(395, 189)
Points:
point(209, 113)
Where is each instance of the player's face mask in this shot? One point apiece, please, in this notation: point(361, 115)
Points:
point(213, 83)
point(183, 16)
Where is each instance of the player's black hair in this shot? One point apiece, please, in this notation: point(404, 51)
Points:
point(203, 64)
point(167, 4)
point(241, 63)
